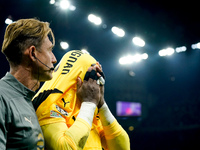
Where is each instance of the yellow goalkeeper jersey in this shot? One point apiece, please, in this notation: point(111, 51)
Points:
point(57, 107)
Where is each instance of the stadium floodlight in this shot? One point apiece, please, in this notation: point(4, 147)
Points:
point(94, 19)
point(122, 60)
point(196, 46)
point(170, 51)
point(129, 59)
point(64, 45)
point(118, 31)
point(162, 52)
point(126, 60)
point(8, 21)
point(137, 58)
point(144, 56)
point(181, 49)
point(72, 7)
point(52, 2)
point(64, 4)
point(166, 52)
point(138, 41)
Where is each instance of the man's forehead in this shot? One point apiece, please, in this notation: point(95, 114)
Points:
point(47, 43)
point(50, 42)
point(50, 45)
point(50, 37)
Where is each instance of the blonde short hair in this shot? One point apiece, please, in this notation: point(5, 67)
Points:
point(22, 34)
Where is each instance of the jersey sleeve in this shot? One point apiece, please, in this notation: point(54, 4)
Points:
point(58, 136)
point(114, 137)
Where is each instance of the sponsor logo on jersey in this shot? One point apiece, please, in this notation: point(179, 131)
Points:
point(55, 114)
point(65, 102)
point(63, 112)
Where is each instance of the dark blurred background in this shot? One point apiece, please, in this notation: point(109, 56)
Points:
point(166, 87)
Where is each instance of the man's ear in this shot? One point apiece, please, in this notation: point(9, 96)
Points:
point(32, 52)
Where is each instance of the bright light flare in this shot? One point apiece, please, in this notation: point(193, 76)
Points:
point(8, 21)
point(72, 8)
point(126, 60)
point(94, 19)
point(118, 31)
point(84, 51)
point(52, 2)
point(162, 52)
point(138, 41)
point(64, 45)
point(129, 59)
point(64, 4)
point(181, 49)
point(137, 58)
point(144, 56)
point(196, 46)
point(166, 52)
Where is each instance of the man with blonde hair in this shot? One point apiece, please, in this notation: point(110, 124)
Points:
point(24, 41)
point(28, 47)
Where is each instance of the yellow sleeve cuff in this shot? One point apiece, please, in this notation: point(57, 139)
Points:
point(113, 130)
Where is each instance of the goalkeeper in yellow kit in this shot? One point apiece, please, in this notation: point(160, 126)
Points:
point(72, 111)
